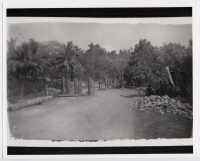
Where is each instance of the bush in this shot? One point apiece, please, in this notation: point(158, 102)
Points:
point(16, 87)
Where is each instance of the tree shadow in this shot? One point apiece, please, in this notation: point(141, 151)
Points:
point(133, 95)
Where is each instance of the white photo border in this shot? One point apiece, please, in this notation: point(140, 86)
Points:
point(160, 142)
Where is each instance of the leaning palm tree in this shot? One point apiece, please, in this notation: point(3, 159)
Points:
point(66, 60)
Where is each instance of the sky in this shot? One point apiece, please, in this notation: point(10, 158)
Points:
point(110, 33)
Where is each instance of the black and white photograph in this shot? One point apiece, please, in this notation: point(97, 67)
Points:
point(96, 79)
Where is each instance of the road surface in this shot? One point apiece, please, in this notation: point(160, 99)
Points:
point(107, 115)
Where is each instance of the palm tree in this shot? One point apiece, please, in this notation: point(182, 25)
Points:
point(67, 62)
point(23, 64)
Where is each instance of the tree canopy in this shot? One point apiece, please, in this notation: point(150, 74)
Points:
point(142, 65)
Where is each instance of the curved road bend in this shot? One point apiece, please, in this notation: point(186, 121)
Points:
point(105, 116)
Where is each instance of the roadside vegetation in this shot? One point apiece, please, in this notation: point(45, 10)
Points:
point(32, 63)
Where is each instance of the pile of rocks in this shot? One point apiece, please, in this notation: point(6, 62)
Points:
point(162, 104)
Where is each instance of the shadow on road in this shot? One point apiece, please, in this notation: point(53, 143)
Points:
point(132, 96)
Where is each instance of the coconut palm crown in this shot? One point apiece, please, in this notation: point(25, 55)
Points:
point(23, 63)
point(66, 60)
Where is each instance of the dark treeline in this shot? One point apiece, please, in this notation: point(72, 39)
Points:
point(55, 60)
point(148, 66)
point(144, 65)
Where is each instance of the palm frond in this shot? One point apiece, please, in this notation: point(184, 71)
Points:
point(39, 69)
point(59, 67)
point(60, 58)
point(66, 63)
point(32, 65)
point(77, 66)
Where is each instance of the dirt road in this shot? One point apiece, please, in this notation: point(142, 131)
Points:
point(105, 116)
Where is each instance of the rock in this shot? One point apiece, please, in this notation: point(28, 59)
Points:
point(157, 108)
point(152, 97)
point(164, 106)
point(187, 106)
point(158, 104)
point(162, 112)
point(166, 102)
point(165, 97)
point(158, 97)
point(179, 105)
point(173, 101)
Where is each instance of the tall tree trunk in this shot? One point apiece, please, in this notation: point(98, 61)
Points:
point(170, 76)
point(105, 83)
point(122, 81)
point(46, 89)
point(80, 87)
point(90, 86)
point(113, 82)
point(99, 83)
point(132, 81)
point(68, 86)
point(62, 85)
point(75, 86)
point(22, 90)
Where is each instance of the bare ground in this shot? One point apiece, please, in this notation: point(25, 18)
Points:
point(107, 115)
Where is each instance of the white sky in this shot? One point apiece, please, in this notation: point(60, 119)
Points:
point(171, 20)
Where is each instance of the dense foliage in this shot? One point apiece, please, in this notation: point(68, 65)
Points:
point(143, 65)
